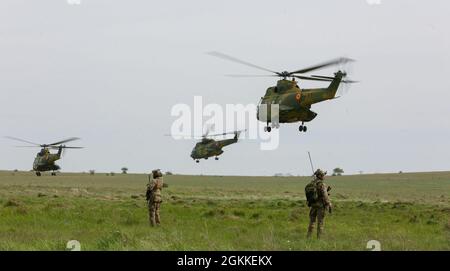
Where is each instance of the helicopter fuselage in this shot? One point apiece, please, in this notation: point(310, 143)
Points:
point(294, 104)
point(45, 161)
point(210, 147)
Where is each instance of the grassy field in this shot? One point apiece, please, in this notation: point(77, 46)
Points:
point(402, 211)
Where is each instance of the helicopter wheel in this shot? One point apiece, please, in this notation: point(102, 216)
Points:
point(53, 173)
point(267, 129)
point(197, 161)
point(302, 128)
point(38, 173)
point(216, 158)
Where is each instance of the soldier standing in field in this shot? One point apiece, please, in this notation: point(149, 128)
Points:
point(318, 201)
point(153, 196)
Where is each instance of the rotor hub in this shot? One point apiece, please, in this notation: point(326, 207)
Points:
point(285, 74)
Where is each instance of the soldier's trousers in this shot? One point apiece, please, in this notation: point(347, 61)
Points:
point(153, 212)
point(316, 214)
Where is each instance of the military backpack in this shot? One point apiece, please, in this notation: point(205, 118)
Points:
point(312, 193)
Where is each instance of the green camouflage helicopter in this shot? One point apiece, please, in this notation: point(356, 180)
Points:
point(294, 103)
point(209, 147)
point(45, 161)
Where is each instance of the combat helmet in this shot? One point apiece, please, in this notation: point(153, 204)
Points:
point(320, 174)
point(156, 173)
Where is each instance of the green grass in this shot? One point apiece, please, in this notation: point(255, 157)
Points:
point(402, 211)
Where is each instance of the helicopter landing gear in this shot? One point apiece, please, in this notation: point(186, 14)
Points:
point(302, 128)
point(38, 174)
point(216, 158)
point(197, 161)
point(267, 128)
point(53, 173)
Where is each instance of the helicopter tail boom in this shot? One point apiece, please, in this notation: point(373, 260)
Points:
point(317, 95)
point(230, 141)
point(227, 142)
point(334, 85)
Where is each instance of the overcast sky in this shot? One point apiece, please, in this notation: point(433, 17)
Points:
point(109, 71)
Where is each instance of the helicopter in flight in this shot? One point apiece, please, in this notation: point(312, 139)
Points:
point(44, 160)
point(294, 103)
point(209, 147)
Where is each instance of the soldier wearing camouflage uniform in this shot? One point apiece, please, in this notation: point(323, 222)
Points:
point(320, 206)
point(153, 196)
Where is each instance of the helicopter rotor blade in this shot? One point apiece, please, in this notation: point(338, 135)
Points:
point(337, 61)
point(184, 136)
point(228, 133)
point(208, 130)
point(349, 81)
point(22, 140)
point(329, 77)
point(321, 76)
point(64, 141)
point(222, 134)
point(233, 59)
point(64, 147)
point(250, 75)
point(312, 78)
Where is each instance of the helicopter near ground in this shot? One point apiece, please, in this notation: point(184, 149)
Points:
point(45, 160)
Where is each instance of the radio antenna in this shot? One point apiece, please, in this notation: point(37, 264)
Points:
point(310, 161)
